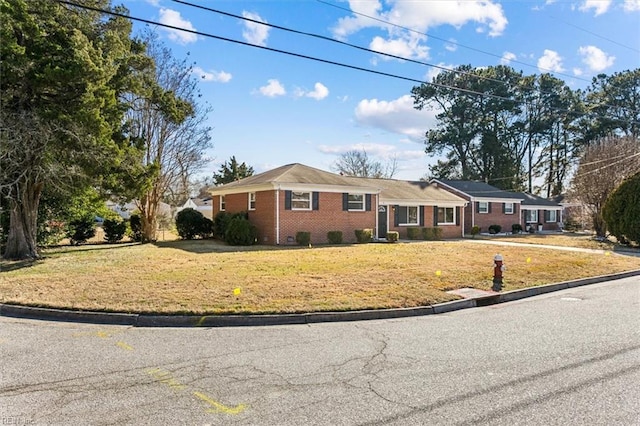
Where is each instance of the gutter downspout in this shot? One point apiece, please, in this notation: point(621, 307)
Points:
point(376, 210)
point(473, 212)
point(278, 215)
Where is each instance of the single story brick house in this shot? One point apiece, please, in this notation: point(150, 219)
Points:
point(488, 205)
point(296, 197)
point(540, 213)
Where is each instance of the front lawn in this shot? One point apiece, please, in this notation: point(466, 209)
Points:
point(206, 277)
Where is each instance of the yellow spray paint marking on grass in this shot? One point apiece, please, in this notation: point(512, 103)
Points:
point(124, 346)
point(236, 291)
point(528, 260)
point(217, 407)
point(438, 273)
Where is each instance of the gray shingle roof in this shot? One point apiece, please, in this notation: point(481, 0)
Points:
point(480, 189)
point(299, 174)
point(534, 200)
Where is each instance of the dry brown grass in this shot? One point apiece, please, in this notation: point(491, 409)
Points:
point(199, 277)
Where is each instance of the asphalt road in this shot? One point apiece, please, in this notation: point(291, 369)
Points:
point(569, 357)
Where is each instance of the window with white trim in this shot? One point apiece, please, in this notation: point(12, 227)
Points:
point(356, 202)
point(223, 204)
point(408, 215)
point(483, 207)
point(508, 208)
point(531, 216)
point(446, 216)
point(552, 216)
point(252, 201)
point(300, 200)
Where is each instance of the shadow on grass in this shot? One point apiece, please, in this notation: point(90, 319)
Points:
point(14, 265)
point(217, 246)
point(88, 247)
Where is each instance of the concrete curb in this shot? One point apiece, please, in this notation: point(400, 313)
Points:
point(150, 320)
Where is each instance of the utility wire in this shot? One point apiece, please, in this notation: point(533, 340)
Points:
point(443, 40)
point(470, 74)
point(594, 34)
point(312, 58)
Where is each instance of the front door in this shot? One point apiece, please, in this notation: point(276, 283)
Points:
point(382, 221)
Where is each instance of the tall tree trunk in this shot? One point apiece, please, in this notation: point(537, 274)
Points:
point(23, 222)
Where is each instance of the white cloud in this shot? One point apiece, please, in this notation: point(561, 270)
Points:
point(217, 76)
point(577, 72)
point(173, 18)
point(452, 46)
point(253, 32)
point(154, 2)
point(632, 5)
point(273, 89)
point(397, 116)
point(595, 58)
point(507, 57)
point(551, 61)
point(403, 47)
point(421, 16)
point(599, 6)
point(319, 92)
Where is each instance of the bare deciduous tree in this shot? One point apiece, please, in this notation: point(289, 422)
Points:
point(603, 166)
point(171, 125)
point(358, 163)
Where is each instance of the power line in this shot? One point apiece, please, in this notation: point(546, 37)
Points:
point(456, 71)
point(312, 58)
point(594, 34)
point(445, 41)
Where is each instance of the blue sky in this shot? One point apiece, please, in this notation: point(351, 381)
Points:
point(271, 109)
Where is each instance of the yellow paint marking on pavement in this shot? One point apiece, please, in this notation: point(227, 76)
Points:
point(201, 321)
point(124, 346)
point(217, 407)
point(101, 334)
point(165, 377)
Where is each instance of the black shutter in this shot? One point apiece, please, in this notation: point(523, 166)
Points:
point(396, 215)
point(504, 208)
point(367, 202)
point(345, 201)
point(477, 206)
point(458, 212)
point(421, 215)
point(488, 206)
point(435, 215)
point(315, 200)
point(287, 200)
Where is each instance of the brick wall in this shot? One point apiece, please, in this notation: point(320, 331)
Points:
point(329, 217)
point(496, 217)
point(448, 231)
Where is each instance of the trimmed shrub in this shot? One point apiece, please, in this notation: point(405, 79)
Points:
point(414, 233)
point(80, 230)
point(437, 233)
point(221, 221)
point(516, 228)
point(393, 236)
point(240, 232)
point(427, 234)
point(303, 238)
point(189, 223)
point(334, 237)
point(114, 230)
point(475, 230)
point(621, 211)
point(363, 235)
point(495, 229)
point(135, 227)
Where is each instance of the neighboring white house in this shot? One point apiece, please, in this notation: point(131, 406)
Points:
point(127, 209)
point(203, 205)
